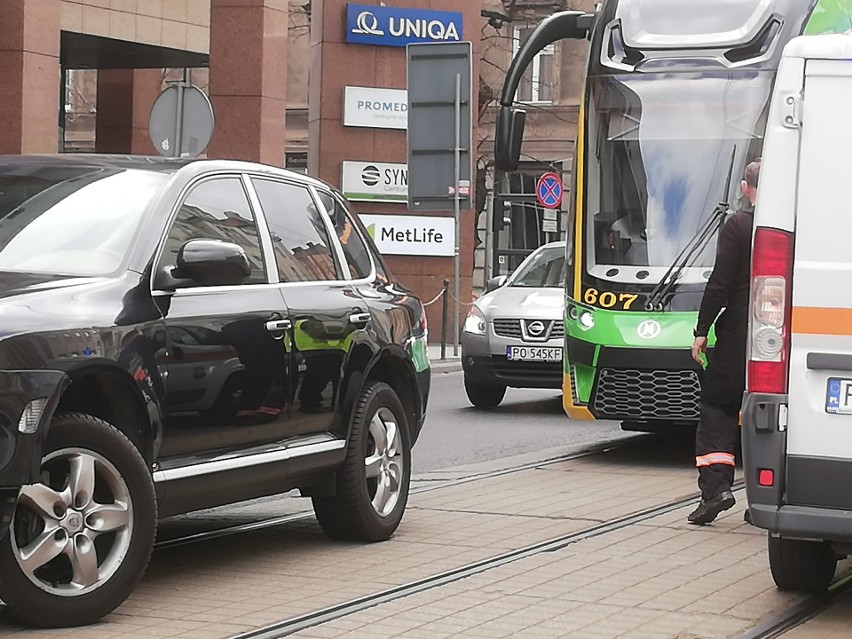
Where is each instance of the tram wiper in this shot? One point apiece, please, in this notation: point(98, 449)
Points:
point(694, 247)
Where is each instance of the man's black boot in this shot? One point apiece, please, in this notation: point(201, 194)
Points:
point(709, 509)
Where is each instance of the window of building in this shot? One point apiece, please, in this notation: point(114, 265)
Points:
point(218, 209)
point(299, 238)
point(356, 252)
point(538, 83)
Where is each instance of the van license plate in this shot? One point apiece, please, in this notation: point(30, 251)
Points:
point(838, 396)
point(534, 353)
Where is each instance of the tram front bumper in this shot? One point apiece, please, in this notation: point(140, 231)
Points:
point(637, 385)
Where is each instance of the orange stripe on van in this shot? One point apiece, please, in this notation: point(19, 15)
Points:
point(813, 320)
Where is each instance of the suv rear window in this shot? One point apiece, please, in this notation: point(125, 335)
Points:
point(299, 236)
point(66, 220)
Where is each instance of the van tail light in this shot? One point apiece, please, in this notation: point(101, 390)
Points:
point(771, 304)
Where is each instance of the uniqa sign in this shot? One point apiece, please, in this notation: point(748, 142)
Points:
point(375, 108)
point(411, 234)
point(374, 181)
point(397, 27)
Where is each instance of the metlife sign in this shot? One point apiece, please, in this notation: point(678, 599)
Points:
point(411, 234)
point(374, 181)
point(398, 27)
point(375, 108)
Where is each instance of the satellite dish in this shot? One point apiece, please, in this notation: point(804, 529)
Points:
point(181, 122)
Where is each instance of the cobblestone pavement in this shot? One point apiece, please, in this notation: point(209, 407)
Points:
point(659, 579)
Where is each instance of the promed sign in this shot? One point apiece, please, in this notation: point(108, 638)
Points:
point(375, 108)
point(411, 234)
point(374, 181)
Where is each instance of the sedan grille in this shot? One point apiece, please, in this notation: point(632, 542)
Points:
point(508, 328)
point(636, 394)
point(519, 329)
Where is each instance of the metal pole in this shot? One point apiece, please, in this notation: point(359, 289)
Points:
point(489, 231)
point(445, 302)
point(179, 116)
point(457, 207)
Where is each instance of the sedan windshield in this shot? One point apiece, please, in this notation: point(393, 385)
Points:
point(544, 269)
point(658, 157)
point(66, 220)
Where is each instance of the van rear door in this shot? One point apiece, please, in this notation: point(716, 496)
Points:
point(819, 437)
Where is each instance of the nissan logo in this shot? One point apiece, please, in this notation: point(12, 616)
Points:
point(649, 329)
point(368, 24)
point(371, 175)
point(536, 328)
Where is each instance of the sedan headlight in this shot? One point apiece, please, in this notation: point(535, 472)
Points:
point(475, 322)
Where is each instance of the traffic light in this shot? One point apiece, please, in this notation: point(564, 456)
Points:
point(501, 210)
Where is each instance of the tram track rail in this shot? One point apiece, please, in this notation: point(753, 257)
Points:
point(438, 484)
point(771, 628)
point(298, 623)
point(800, 613)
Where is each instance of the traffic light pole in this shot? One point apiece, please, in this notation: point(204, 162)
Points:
point(457, 215)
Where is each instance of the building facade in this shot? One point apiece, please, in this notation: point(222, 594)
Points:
point(82, 76)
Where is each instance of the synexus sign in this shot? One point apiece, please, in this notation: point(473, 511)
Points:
point(374, 181)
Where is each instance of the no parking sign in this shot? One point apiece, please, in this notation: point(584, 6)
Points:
point(549, 191)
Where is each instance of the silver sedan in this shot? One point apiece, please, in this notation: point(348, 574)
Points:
point(513, 335)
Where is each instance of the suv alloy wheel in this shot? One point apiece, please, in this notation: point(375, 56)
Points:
point(372, 485)
point(81, 539)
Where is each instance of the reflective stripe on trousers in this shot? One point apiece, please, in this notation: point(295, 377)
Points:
point(715, 458)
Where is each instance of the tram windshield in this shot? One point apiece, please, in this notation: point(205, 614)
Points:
point(657, 156)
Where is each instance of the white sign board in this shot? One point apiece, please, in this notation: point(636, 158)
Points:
point(411, 234)
point(375, 108)
point(374, 181)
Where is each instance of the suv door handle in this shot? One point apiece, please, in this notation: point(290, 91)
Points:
point(359, 319)
point(278, 325)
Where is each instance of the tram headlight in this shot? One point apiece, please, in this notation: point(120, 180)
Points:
point(587, 320)
point(573, 312)
point(474, 322)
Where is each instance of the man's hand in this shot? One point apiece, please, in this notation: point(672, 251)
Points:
point(699, 346)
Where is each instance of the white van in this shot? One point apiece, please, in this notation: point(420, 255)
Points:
point(797, 416)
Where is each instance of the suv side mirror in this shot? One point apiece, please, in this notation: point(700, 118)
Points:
point(495, 282)
point(211, 263)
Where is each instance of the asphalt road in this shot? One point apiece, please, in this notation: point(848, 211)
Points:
point(527, 420)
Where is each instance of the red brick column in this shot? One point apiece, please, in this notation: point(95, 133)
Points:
point(29, 48)
point(125, 98)
point(248, 79)
point(335, 65)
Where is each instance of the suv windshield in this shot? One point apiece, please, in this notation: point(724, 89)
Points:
point(544, 269)
point(70, 220)
point(657, 161)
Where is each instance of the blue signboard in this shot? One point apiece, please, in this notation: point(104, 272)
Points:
point(397, 27)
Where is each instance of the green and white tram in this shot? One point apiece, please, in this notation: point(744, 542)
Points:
point(674, 106)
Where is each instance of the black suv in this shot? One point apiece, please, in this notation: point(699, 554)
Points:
point(177, 335)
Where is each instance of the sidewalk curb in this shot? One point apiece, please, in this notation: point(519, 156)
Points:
point(446, 366)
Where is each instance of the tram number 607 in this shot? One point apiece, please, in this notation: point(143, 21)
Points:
point(608, 299)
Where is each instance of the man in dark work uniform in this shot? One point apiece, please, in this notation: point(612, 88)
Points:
point(724, 380)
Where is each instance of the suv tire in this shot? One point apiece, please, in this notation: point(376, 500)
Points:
point(483, 395)
point(85, 571)
point(373, 483)
point(797, 564)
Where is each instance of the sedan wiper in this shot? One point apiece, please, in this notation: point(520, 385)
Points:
point(694, 247)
